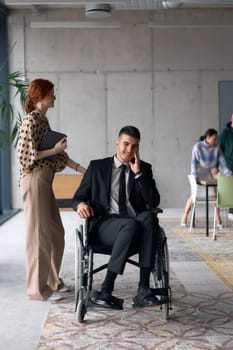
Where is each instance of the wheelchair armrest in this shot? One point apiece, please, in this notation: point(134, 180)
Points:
point(157, 211)
point(82, 231)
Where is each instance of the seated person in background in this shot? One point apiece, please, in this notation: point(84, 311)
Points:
point(225, 142)
point(122, 219)
point(207, 160)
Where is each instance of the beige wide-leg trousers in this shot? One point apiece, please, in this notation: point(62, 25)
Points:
point(44, 234)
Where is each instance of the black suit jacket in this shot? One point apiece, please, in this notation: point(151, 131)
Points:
point(96, 186)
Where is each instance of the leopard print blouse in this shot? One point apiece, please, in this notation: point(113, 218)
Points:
point(32, 130)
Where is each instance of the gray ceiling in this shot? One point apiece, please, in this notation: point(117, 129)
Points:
point(121, 4)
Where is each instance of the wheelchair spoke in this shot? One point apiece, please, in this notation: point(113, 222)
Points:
point(160, 275)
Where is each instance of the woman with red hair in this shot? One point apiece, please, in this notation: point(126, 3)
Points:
point(44, 228)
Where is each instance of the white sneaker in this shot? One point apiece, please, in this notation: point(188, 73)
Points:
point(55, 297)
point(230, 217)
point(182, 224)
point(64, 289)
point(220, 226)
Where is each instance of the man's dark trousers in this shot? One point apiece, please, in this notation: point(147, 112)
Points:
point(122, 234)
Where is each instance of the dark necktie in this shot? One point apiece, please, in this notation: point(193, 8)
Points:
point(122, 193)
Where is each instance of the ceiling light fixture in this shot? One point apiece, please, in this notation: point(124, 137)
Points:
point(66, 24)
point(158, 24)
point(56, 2)
point(171, 4)
point(98, 11)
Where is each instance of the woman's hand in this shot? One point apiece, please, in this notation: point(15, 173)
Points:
point(214, 171)
point(60, 145)
point(58, 148)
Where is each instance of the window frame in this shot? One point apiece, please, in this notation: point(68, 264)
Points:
point(6, 210)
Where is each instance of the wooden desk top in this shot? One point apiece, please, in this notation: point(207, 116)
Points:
point(209, 182)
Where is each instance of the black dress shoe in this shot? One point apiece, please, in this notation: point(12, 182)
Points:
point(145, 297)
point(106, 300)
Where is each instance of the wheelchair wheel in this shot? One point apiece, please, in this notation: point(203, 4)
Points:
point(160, 275)
point(164, 282)
point(81, 311)
point(80, 268)
point(78, 254)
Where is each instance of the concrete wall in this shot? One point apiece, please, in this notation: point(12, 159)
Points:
point(164, 81)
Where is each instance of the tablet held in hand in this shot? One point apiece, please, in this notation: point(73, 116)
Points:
point(49, 140)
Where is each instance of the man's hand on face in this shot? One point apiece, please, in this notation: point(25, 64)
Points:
point(135, 163)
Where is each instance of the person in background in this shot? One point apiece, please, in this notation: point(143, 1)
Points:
point(119, 219)
point(44, 228)
point(226, 144)
point(207, 160)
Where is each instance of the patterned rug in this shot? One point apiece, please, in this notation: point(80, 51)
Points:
point(216, 254)
point(198, 320)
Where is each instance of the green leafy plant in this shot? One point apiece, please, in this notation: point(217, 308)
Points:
point(12, 119)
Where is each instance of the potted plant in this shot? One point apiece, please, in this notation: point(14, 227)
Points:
point(11, 118)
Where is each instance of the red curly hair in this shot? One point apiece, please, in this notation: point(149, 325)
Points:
point(37, 90)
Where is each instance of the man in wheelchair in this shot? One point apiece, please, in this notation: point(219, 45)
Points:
point(118, 195)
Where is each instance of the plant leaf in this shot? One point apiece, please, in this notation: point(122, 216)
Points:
point(16, 80)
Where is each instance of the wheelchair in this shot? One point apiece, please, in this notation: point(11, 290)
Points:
point(84, 271)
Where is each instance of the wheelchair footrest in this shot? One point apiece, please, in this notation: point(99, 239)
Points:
point(165, 293)
point(160, 291)
point(106, 301)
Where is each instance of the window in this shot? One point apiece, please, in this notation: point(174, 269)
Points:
point(5, 175)
point(225, 102)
